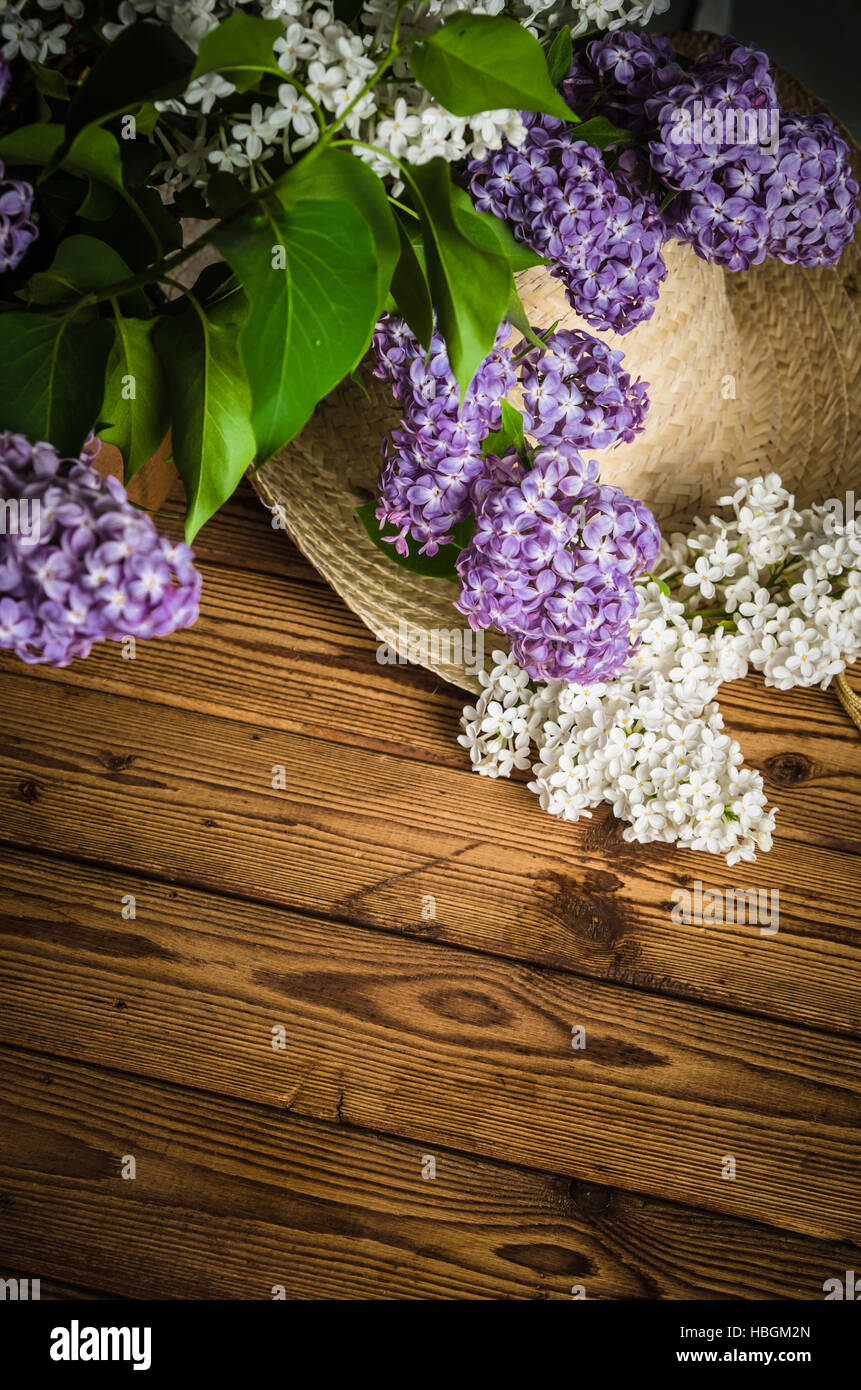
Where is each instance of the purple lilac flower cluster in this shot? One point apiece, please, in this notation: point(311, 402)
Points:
point(552, 559)
point(810, 195)
point(576, 390)
point(435, 456)
point(552, 565)
point(79, 563)
point(617, 76)
point(602, 237)
point(750, 180)
point(17, 228)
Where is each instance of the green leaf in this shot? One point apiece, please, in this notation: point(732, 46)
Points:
point(52, 373)
point(50, 82)
point(512, 423)
point(491, 232)
point(225, 194)
point(147, 119)
point(215, 283)
point(145, 63)
point(497, 442)
point(439, 566)
point(482, 62)
point(410, 290)
point(470, 285)
point(95, 153)
point(163, 222)
point(210, 405)
point(99, 204)
point(240, 45)
point(139, 159)
point(310, 273)
point(339, 175)
point(124, 226)
point(60, 201)
point(82, 264)
point(31, 144)
point(560, 56)
point(510, 436)
point(516, 316)
point(135, 404)
point(600, 133)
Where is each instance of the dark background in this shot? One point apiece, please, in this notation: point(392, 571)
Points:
point(818, 43)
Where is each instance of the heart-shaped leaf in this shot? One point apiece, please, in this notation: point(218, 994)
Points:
point(94, 154)
point(339, 175)
point(52, 373)
point(82, 263)
point(480, 63)
point(310, 274)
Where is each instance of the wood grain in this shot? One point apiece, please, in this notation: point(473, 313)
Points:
point(230, 1199)
point(241, 535)
point(289, 654)
point(420, 1041)
point(366, 837)
point(407, 1031)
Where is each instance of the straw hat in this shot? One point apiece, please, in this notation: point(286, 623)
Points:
point(749, 372)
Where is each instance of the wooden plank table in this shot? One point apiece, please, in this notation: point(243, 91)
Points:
point(333, 1029)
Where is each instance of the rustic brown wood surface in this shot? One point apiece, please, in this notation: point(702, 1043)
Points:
point(418, 945)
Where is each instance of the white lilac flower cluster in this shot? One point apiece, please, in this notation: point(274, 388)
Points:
point(33, 36)
point(326, 65)
point(771, 587)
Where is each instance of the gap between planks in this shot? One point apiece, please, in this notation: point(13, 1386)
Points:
point(321, 1208)
point(192, 798)
point(392, 1036)
point(292, 658)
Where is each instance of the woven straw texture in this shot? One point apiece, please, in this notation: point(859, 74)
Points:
point(747, 372)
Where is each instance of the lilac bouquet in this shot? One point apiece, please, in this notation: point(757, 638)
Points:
point(345, 142)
